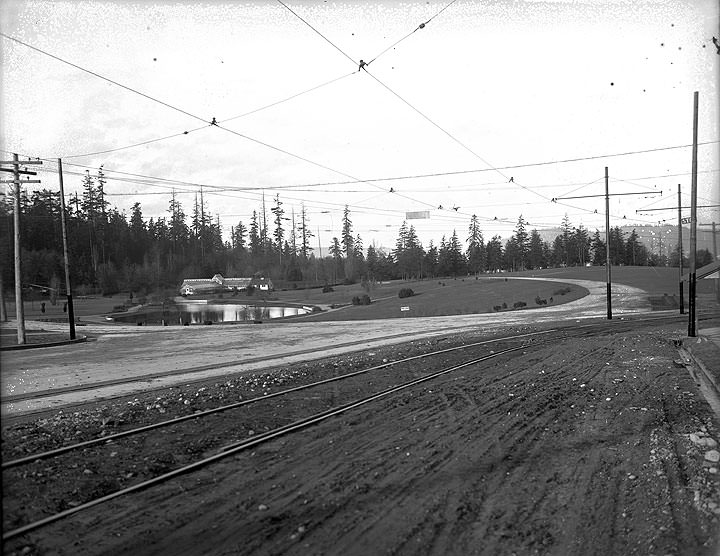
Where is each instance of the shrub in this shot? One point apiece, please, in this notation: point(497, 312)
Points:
point(327, 288)
point(540, 301)
point(250, 289)
point(497, 307)
point(363, 299)
point(562, 291)
point(504, 305)
point(405, 292)
point(519, 304)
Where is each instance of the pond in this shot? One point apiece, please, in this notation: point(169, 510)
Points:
point(206, 313)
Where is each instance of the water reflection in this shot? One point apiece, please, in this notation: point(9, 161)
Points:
point(193, 313)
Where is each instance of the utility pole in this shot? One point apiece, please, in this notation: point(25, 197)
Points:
point(607, 232)
point(693, 224)
point(608, 265)
point(3, 312)
point(680, 250)
point(19, 308)
point(68, 291)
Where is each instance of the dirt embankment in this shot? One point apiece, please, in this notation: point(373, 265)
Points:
point(583, 447)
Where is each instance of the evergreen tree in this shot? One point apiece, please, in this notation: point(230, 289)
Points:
point(617, 246)
point(430, 261)
point(536, 251)
point(305, 234)
point(239, 236)
point(495, 254)
point(476, 247)
point(597, 249)
point(279, 232)
point(522, 244)
point(347, 238)
point(254, 236)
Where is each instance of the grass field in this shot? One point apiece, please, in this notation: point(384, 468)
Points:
point(444, 296)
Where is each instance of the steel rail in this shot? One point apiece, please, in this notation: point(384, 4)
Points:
point(169, 422)
point(232, 449)
point(15, 398)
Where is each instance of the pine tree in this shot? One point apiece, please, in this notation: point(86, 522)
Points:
point(305, 234)
point(279, 232)
point(536, 251)
point(476, 247)
point(347, 238)
point(494, 254)
point(522, 244)
point(254, 236)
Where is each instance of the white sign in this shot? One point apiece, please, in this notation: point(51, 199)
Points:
point(404, 308)
point(685, 220)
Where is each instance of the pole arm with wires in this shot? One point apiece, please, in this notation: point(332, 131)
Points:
point(608, 265)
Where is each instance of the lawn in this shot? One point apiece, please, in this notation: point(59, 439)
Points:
point(446, 296)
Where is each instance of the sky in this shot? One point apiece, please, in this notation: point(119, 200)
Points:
point(464, 108)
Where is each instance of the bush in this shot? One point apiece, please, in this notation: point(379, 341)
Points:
point(504, 305)
point(497, 307)
point(519, 304)
point(405, 292)
point(250, 289)
point(540, 301)
point(363, 299)
point(327, 289)
point(562, 291)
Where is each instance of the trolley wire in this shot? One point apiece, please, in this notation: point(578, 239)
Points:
point(420, 26)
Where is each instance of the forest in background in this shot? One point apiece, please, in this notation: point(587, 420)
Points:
point(110, 251)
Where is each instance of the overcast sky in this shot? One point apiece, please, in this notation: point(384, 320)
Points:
point(477, 96)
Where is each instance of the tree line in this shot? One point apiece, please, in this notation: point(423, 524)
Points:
point(109, 251)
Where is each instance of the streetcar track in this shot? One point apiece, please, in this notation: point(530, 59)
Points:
point(176, 420)
point(200, 414)
point(299, 424)
point(53, 392)
point(236, 447)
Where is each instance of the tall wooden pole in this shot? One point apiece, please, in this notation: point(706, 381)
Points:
point(680, 251)
point(3, 311)
point(607, 244)
point(68, 291)
point(715, 258)
point(19, 309)
point(693, 223)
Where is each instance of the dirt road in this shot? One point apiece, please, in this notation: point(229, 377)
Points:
point(581, 447)
point(124, 353)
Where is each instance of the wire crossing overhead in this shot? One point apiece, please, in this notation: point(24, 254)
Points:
point(421, 26)
point(102, 77)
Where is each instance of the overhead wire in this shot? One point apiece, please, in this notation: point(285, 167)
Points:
point(83, 155)
point(214, 121)
point(222, 120)
point(58, 58)
point(318, 32)
point(420, 26)
point(363, 67)
point(355, 180)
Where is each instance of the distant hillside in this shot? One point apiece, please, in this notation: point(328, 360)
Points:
point(658, 239)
